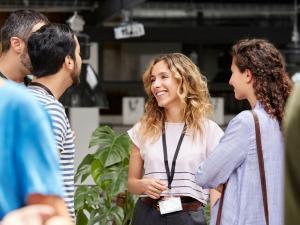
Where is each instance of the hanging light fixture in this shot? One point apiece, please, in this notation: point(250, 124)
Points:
point(128, 28)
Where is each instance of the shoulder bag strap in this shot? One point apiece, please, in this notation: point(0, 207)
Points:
point(261, 172)
point(218, 221)
point(261, 166)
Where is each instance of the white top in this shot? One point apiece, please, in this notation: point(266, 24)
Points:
point(192, 152)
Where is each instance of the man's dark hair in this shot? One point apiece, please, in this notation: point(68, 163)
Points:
point(49, 46)
point(19, 24)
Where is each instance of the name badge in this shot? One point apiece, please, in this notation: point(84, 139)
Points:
point(169, 205)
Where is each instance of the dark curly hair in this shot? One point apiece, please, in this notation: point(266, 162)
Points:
point(272, 85)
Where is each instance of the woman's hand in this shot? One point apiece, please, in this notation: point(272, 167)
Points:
point(153, 187)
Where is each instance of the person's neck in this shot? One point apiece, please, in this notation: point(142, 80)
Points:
point(174, 114)
point(252, 98)
point(10, 69)
point(55, 83)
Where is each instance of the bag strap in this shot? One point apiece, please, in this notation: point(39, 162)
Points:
point(261, 167)
point(261, 172)
point(218, 221)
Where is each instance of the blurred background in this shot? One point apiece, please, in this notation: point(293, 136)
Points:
point(119, 37)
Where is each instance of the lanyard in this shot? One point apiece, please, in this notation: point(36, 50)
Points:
point(42, 86)
point(26, 79)
point(2, 75)
point(171, 175)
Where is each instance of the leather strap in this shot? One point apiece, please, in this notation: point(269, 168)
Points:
point(261, 172)
point(186, 206)
point(261, 166)
point(218, 221)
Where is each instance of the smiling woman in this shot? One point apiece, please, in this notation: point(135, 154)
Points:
point(175, 130)
point(164, 86)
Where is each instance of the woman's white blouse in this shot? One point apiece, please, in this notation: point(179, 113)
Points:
point(192, 152)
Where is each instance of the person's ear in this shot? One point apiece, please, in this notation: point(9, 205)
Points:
point(249, 76)
point(17, 44)
point(69, 62)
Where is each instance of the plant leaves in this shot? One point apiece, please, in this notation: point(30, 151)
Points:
point(93, 218)
point(87, 196)
point(81, 218)
point(96, 170)
point(108, 167)
point(102, 136)
point(84, 168)
point(124, 143)
point(117, 151)
point(79, 198)
point(119, 183)
point(109, 155)
point(117, 214)
point(113, 179)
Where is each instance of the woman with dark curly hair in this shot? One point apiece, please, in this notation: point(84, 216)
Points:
point(259, 76)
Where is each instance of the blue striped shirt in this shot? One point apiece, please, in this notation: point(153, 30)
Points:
point(64, 140)
point(235, 159)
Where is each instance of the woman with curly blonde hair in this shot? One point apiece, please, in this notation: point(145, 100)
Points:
point(169, 142)
point(259, 76)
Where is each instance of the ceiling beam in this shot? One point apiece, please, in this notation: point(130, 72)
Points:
point(201, 35)
point(110, 8)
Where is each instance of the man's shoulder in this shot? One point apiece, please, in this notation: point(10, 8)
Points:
point(17, 93)
point(48, 101)
point(16, 99)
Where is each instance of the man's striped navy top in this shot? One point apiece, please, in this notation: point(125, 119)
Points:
point(64, 139)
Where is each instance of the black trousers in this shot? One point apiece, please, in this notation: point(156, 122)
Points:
point(147, 215)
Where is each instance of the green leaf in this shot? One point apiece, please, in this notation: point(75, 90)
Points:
point(81, 218)
point(117, 149)
point(79, 198)
point(114, 178)
point(87, 196)
point(102, 136)
point(119, 183)
point(93, 218)
point(84, 168)
point(96, 170)
point(109, 155)
point(124, 143)
point(117, 213)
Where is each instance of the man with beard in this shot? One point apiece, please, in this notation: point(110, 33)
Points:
point(54, 52)
point(14, 60)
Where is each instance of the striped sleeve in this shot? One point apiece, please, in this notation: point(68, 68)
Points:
point(59, 124)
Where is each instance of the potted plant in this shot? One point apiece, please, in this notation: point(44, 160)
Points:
point(107, 201)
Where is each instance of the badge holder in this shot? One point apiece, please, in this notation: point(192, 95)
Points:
point(170, 204)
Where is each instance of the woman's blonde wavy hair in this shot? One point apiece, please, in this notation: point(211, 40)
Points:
point(192, 91)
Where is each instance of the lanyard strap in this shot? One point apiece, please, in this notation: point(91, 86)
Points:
point(171, 175)
point(41, 86)
point(2, 75)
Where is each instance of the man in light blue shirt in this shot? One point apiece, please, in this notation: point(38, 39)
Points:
point(29, 168)
point(259, 76)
